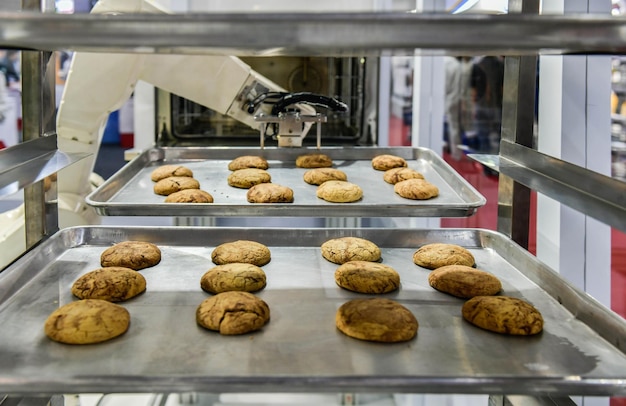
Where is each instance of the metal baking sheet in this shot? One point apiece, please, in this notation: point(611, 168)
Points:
point(580, 352)
point(130, 191)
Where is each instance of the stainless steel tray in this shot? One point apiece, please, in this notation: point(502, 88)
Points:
point(129, 191)
point(580, 352)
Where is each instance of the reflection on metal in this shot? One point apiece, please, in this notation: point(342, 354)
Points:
point(314, 34)
point(489, 160)
point(596, 195)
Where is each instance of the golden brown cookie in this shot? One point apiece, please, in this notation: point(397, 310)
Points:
point(248, 177)
point(436, 255)
point(248, 161)
point(131, 254)
point(396, 175)
point(173, 184)
point(249, 252)
point(376, 319)
point(317, 176)
point(167, 171)
point(189, 196)
point(337, 191)
point(385, 162)
point(367, 277)
point(236, 276)
point(314, 160)
point(87, 321)
point(269, 193)
point(416, 189)
point(464, 281)
point(233, 313)
point(113, 283)
point(343, 249)
point(503, 314)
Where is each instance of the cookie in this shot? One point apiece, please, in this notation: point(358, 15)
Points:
point(416, 189)
point(343, 249)
point(236, 276)
point(314, 160)
point(376, 319)
point(189, 196)
point(367, 277)
point(248, 161)
point(386, 162)
point(269, 193)
point(317, 176)
point(503, 314)
point(87, 321)
point(249, 252)
point(113, 283)
point(396, 175)
point(167, 171)
point(131, 254)
point(337, 191)
point(464, 281)
point(436, 255)
point(233, 313)
point(173, 184)
point(248, 177)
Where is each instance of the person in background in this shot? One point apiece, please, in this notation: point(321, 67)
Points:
point(9, 66)
point(453, 97)
point(487, 86)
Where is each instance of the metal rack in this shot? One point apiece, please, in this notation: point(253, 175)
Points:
point(521, 37)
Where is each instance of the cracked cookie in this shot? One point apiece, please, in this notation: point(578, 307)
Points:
point(233, 313)
point(396, 175)
point(343, 249)
point(248, 161)
point(167, 171)
point(131, 254)
point(113, 284)
point(385, 162)
point(416, 189)
point(367, 277)
point(249, 252)
point(376, 319)
point(317, 176)
point(87, 321)
point(248, 177)
point(336, 191)
point(314, 160)
point(464, 281)
point(233, 277)
point(269, 193)
point(173, 184)
point(503, 314)
point(436, 255)
point(189, 196)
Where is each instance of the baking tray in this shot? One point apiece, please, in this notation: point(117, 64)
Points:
point(580, 351)
point(130, 191)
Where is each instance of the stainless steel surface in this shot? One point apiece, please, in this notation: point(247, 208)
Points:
point(130, 191)
point(518, 109)
point(38, 106)
point(31, 161)
point(300, 349)
point(596, 195)
point(491, 161)
point(312, 34)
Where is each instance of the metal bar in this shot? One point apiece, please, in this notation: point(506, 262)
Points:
point(518, 107)
point(341, 34)
point(596, 195)
point(39, 111)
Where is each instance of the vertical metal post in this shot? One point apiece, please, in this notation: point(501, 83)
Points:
point(518, 114)
point(39, 115)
